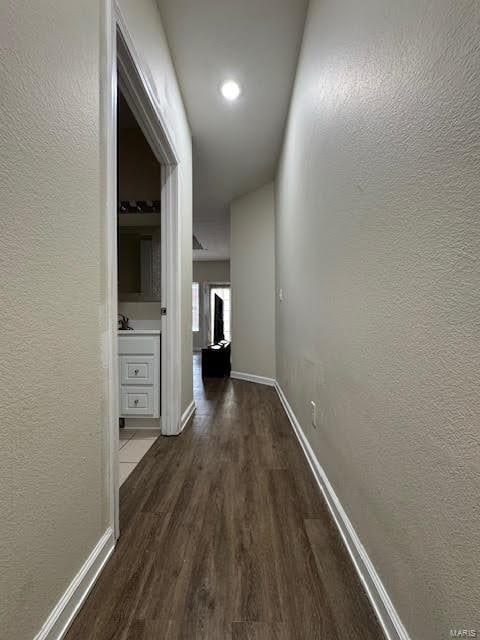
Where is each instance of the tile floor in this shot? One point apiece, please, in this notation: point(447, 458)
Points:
point(134, 444)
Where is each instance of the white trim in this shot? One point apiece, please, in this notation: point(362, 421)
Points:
point(108, 97)
point(171, 288)
point(187, 414)
point(383, 606)
point(249, 377)
point(61, 617)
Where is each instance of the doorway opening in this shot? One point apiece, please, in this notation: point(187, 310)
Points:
point(211, 321)
point(139, 189)
point(143, 262)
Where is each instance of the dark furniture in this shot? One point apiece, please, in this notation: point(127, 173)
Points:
point(216, 360)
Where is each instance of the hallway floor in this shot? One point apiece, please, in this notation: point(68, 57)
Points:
point(225, 536)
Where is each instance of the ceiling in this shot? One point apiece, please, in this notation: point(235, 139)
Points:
point(235, 145)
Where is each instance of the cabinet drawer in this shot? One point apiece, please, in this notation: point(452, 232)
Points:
point(136, 401)
point(136, 345)
point(137, 370)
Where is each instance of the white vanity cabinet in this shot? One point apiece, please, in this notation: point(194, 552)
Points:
point(139, 375)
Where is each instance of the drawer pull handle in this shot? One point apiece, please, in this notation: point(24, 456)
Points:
point(136, 401)
point(136, 372)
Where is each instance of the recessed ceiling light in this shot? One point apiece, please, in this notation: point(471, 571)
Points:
point(230, 90)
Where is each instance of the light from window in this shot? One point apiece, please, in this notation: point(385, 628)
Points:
point(195, 307)
point(224, 294)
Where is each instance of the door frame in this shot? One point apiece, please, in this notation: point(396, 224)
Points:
point(123, 62)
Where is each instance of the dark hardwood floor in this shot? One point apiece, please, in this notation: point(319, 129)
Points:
point(225, 536)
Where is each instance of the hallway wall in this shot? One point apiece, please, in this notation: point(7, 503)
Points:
point(252, 273)
point(377, 252)
point(53, 476)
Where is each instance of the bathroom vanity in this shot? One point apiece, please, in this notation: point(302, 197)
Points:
point(139, 375)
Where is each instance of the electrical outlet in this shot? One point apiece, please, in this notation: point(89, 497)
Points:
point(313, 407)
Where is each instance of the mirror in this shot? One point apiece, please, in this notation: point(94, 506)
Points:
point(139, 264)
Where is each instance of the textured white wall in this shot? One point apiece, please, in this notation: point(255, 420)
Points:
point(252, 275)
point(144, 23)
point(52, 476)
point(378, 254)
point(141, 311)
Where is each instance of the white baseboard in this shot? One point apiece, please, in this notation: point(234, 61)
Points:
point(69, 604)
point(249, 377)
point(186, 415)
point(383, 606)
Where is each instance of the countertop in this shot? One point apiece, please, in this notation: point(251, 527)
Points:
point(140, 332)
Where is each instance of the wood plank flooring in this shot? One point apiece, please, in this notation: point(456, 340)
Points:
point(225, 536)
